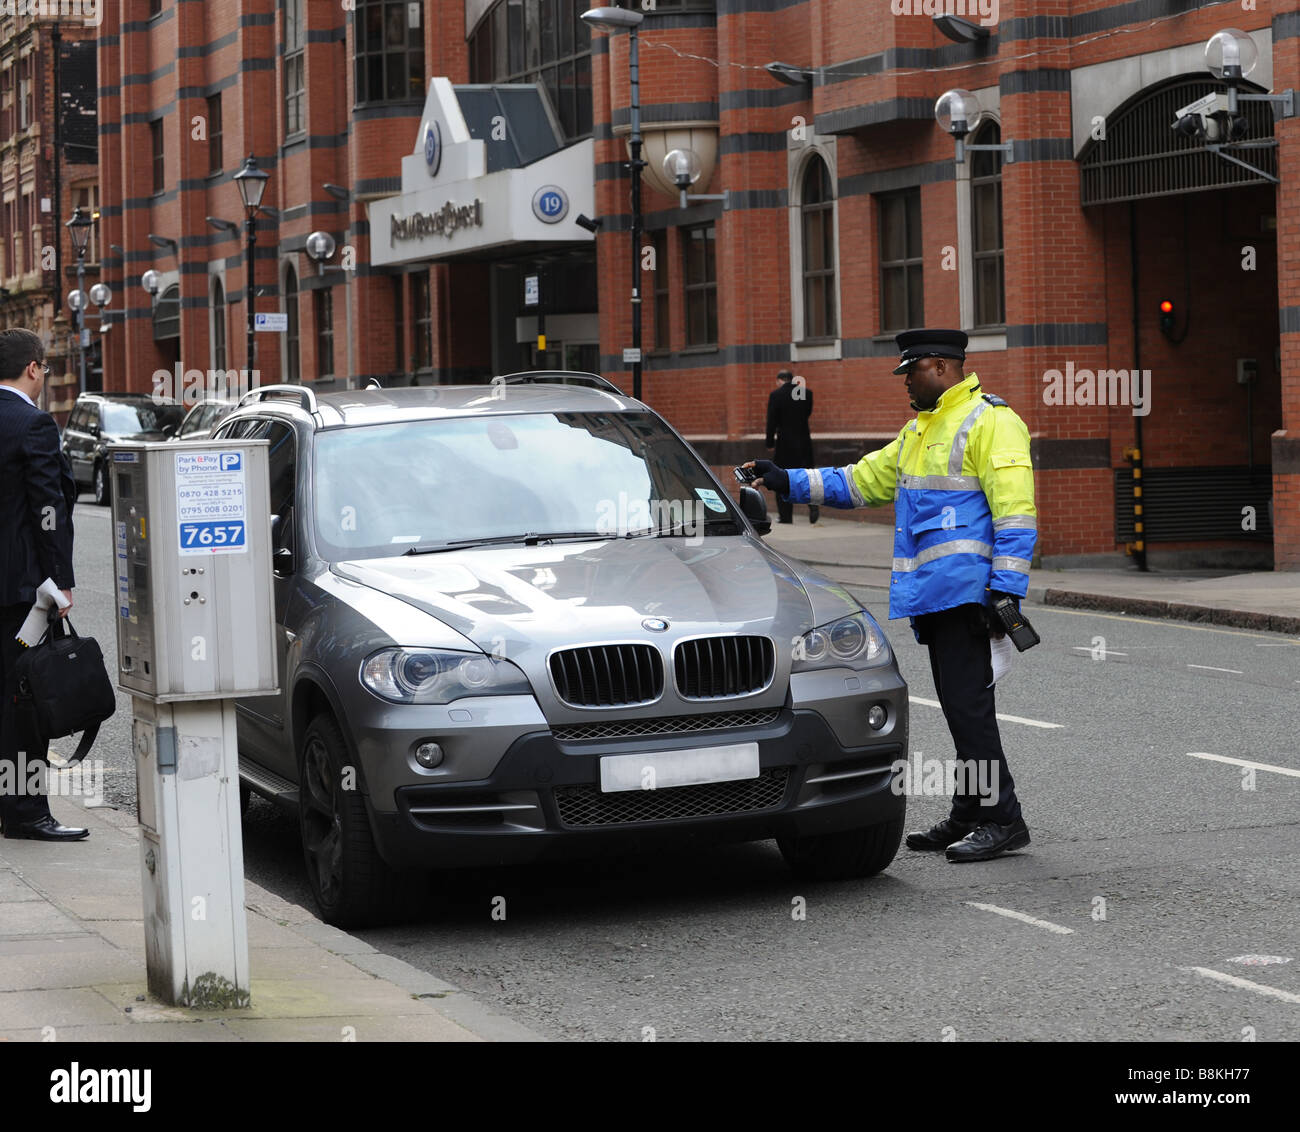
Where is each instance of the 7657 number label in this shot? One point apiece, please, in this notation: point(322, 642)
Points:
point(213, 536)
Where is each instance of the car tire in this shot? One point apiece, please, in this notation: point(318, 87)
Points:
point(843, 856)
point(99, 485)
point(353, 885)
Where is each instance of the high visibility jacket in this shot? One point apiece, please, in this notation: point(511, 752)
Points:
point(960, 479)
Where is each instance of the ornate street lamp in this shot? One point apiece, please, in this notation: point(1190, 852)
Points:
point(252, 184)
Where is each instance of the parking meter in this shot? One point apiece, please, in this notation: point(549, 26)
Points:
point(195, 630)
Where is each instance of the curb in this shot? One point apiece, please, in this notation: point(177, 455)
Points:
point(453, 1003)
point(1137, 606)
point(1168, 610)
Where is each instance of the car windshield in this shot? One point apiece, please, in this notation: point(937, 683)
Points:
point(123, 419)
point(388, 489)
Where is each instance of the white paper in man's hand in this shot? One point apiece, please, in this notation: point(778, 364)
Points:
point(1001, 650)
point(33, 628)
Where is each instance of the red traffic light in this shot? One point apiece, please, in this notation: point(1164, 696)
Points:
point(1166, 307)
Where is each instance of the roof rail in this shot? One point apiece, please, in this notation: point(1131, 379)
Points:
point(560, 377)
point(306, 397)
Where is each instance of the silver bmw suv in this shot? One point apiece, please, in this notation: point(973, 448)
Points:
point(523, 621)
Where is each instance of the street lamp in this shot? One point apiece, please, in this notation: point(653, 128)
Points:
point(957, 111)
point(79, 227)
point(252, 184)
point(615, 20)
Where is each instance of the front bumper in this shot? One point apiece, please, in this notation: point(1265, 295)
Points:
point(542, 801)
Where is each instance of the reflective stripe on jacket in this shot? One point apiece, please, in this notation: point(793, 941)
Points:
point(960, 479)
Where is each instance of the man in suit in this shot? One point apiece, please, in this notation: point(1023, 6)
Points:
point(789, 406)
point(35, 544)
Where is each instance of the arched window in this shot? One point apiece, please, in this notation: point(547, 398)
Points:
point(986, 228)
point(167, 314)
point(218, 325)
point(291, 371)
point(817, 219)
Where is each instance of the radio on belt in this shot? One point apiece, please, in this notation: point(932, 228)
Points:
point(195, 601)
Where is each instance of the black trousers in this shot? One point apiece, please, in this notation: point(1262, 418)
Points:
point(958, 640)
point(785, 510)
point(18, 805)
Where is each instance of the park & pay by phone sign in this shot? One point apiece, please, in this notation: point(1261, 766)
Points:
point(211, 503)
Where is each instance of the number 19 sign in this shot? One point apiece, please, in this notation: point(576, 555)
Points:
point(210, 503)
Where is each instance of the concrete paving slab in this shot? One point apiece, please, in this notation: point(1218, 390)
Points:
point(26, 917)
point(199, 1031)
point(13, 888)
point(312, 963)
point(64, 1006)
point(397, 1028)
point(49, 970)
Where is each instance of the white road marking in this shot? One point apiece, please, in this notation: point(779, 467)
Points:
point(1244, 984)
point(1169, 623)
point(1008, 718)
point(1211, 668)
point(1276, 644)
point(1244, 762)
point(1014, 915)
point(1106, 653)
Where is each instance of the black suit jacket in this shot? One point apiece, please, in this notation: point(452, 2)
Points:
point(37, 493)
point(787, 426)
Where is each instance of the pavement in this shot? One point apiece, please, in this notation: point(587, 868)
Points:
point(72, 961)
point(72, 964)
point(860, 553)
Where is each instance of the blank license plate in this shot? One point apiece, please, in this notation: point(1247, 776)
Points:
point(657, 771)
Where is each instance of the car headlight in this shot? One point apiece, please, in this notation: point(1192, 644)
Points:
point(855, 641)
point(439, 676)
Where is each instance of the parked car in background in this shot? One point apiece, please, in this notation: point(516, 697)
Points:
point(202, 420)
point(101, 419)
point(534, 624)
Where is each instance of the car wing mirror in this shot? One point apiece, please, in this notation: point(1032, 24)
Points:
point(754, 507)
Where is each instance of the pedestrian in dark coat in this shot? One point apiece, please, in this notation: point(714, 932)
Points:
point(789, 407)
point(35, 543)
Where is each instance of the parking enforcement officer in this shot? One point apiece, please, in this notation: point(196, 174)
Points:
point(960, 479)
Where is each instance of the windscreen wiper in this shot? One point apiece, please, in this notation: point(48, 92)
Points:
point(529, 539)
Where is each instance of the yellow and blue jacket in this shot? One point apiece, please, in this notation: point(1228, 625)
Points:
point(960, 479)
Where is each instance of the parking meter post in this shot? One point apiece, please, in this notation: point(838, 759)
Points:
point(195, 630)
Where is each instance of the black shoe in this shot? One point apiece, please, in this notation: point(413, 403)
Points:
point(947, 832)
point(45, 829)
point(990, 840)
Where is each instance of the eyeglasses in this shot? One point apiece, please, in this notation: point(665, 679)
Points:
point(45, 370)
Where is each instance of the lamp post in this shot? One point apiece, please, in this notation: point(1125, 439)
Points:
point(79, 227)
point(252, 184)
point(614, 20)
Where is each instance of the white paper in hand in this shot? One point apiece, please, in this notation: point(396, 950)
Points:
point(1001, 650)
point(33, 627)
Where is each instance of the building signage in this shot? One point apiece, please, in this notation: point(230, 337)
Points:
point(449, 219)
point(550, 204)
point(433, 148)
point(274, 322)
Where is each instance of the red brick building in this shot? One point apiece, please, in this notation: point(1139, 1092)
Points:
point(48, 166)
point(845, 219)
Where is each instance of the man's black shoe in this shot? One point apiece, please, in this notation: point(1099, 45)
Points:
point(946, 833)
point(990, 840)
point(45, 829)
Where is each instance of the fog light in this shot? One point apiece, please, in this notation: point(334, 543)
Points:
point(428, 755)
point(876, 717)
